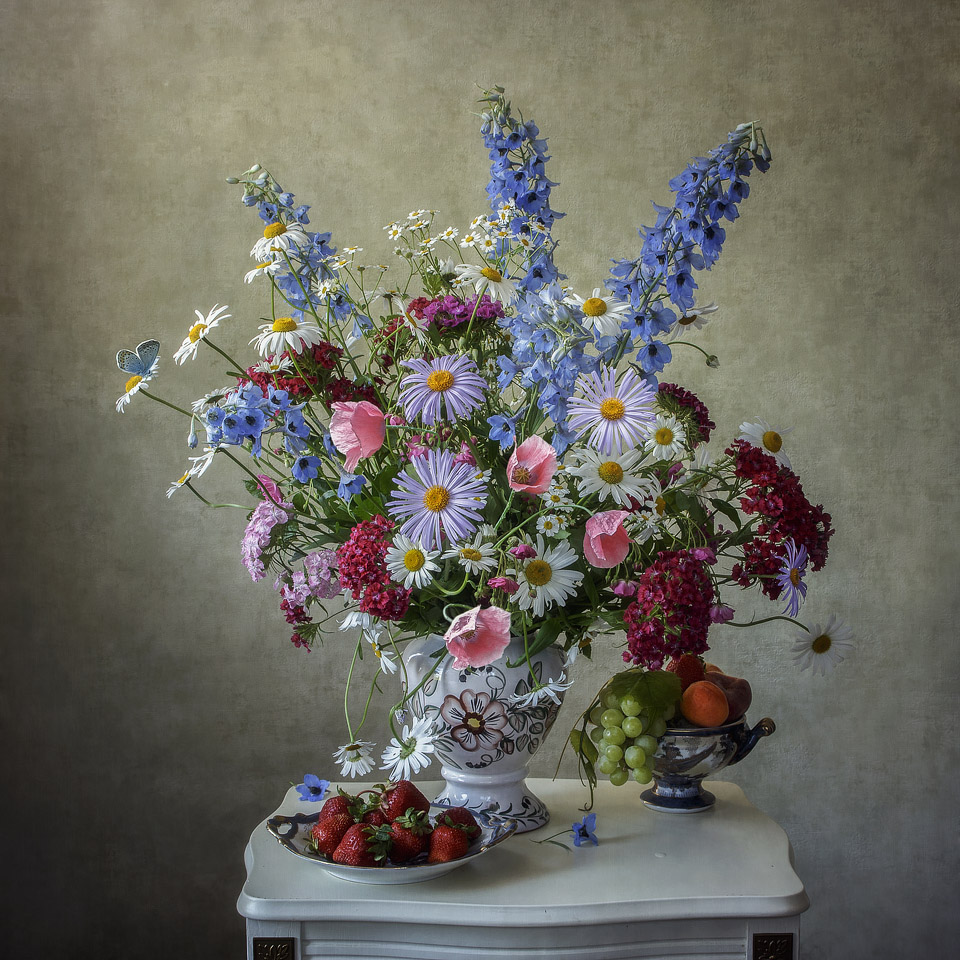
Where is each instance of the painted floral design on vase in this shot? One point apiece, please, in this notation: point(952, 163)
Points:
point(493, 733)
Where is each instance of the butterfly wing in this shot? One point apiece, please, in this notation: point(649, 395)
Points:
point(129, 362)
point(148, 351)
point(139, 363)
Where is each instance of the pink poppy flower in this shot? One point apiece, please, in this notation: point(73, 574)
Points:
point(523, 551)
point(531, 466)
point(505, 584)
point(478, 637)
point(625, 588)
point(606, 543)
point(357, 431)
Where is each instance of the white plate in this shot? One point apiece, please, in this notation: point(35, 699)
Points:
point(293, 833)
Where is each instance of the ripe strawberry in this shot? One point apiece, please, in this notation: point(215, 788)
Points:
point(411, 836)
point(354, 849)
point(400, 797)
point(375, 818)
point(447, 843)
point(461, 816)
point(328, 832)
point(688, 668)
point(336, 805)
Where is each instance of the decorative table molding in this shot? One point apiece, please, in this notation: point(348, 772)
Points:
point(718, 884)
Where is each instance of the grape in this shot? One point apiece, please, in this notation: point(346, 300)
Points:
point(607, 766)
point(596, 734)
point(611, 718)
point(611, 701)
point(670, 712)
point(619, 777)
point(643, 774)
point(634, 757)
point(632, 726)
point(595, 715)
point(630, 706)
point(658, 728)
point(612, 752)
point(614, 735)
point(647, 744)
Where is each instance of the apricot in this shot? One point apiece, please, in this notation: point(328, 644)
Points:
point(704, 704)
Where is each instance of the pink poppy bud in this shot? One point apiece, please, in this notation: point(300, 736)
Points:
point(531, 466)
point(505, 584)
point(478, 637)
point(606, 543)
point(465, 455)
point(720, 613)
point(704, 554)
point(357, 431)
point(625, 588)
point(522, 551)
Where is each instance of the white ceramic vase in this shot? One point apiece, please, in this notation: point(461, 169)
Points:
point(492, 735)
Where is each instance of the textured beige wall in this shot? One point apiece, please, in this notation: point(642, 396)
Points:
point(152, 708)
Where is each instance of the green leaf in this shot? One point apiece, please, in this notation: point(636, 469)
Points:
point(727, 509)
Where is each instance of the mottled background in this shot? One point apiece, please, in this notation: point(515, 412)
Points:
point(153, 710)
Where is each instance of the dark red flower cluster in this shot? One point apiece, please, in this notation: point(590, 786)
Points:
point(322, 356)
point(688, 401)
point(343, 390)
point(450, 311)
point(776, 495)
point(363, 570)
point(670, 613)
point(296, 615)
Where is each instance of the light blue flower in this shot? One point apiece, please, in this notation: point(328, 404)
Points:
point(313, 788)
point(584, 830)
point(350, 484)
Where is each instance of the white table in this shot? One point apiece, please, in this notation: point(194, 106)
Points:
point(718, 884)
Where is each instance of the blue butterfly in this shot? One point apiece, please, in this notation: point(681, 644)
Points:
point(142, 362)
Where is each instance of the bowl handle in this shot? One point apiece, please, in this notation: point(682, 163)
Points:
point(763, 729)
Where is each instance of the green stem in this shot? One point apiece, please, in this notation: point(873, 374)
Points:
point(167, 403)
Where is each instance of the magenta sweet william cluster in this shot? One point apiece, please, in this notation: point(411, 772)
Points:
point(363, 570)
point(451, 311)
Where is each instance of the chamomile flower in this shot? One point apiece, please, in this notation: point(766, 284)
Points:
point(191, 344)
point(612, 475)
point(413, 750)
point(351, 252)
point(618, 416)
point(550, 525)
point(824, 648)
point(666, 438)
point(395, 230)
point(469, 239)
point(546, 580)
point(475, 557)
point(214, 396)
point(286, 333)
point(279, 238)
point(557, 497)
point(451, 233)
point(490, 280)
point(487, 246)
point(693, 319)
point(370, 627)
point(266, 268)
point(767, 438)
point(134, 385)
point(604, 314)
point(409, 563)
point(275, 365)
point(551, 690)
point(355, 759)
point(388, 664)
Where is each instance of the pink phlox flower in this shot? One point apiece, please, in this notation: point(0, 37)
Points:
point(523, 551)
point(256, 537)
point(606, 543)
point(322, 578)
point(531, 466)
point(720, 613)
point(357, 431)
point(478, 637)
point(297, 591)
point(506, 584)
point(624, 588)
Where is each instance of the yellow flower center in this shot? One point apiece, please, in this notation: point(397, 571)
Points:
point(494, 276)
point(284, 325)
point(436, 499)
point(440, 381)
point(196, 332)
point(594, 307)
point(183, 479)
point(822, 644)
point(413, 560)
point(468, 553)
point(795, 577)
point(132, 382)
point(610, 472)
point(660, 506)
point(612, 409)
point(538, 572)
point(664, 436)
point(772, 441)
point(520, 475)
point(272, 230)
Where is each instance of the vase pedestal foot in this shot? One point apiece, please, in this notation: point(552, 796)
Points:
point(505, 795)
point(690, 801)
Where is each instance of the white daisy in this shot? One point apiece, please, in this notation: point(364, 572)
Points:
point(469, 239)
point(198, 406)
point(551, 690)
point(612, 475)
point(488, 279)
point(279, 238)
point(487, 246)
point(199, 466)
point(355, 759)
point(286, 333)
point(385, 656)
point(135, 384)
point(392, 298)
point(409, 563)
point(395, 230)
point(177, 484)
point(191, 344)
point(451, 233)
point(546, 580)
point(666, 438)
point(604, 314)
point(695, 318)
point(550, 525)
point(418, 214)
point(767, 438)
point(266, 268)
point(413, 751)
point(351, 251)
point(475, 557)
point(370, 627)
point(822, 649)
point(557, 498)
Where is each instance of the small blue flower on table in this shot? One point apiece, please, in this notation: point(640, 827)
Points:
point(584, 830)
point(313, 788)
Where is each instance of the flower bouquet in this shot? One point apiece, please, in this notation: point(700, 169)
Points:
point(463, 446)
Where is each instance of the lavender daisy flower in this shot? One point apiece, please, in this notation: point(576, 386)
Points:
point(790, 577)
point(618, 417)
point(443, 498)
point(453, 379)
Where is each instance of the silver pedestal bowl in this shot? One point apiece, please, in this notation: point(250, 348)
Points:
point(685, 755)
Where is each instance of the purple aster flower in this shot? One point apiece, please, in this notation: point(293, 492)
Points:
point(584, 830)
point(444, 498)
point(312, 788)
point(617, 416)
point(791, 576)
point(453, 379)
